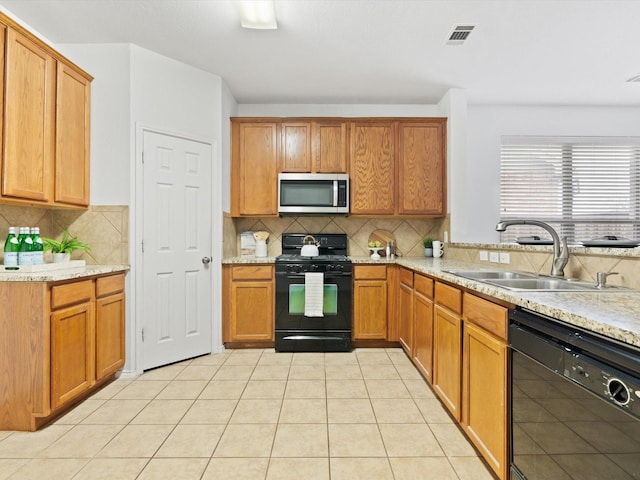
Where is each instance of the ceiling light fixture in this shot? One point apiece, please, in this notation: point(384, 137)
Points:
point(260, 14)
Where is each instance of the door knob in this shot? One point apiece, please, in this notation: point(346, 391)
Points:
point(206, 260)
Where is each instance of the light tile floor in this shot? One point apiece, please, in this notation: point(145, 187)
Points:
point(254, 414)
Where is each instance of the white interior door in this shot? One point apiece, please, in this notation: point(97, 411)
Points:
point(177, 280)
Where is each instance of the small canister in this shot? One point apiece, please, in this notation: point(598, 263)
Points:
point(261, 248)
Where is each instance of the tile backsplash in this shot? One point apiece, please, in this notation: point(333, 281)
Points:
point(104, 228)
point(408, 232)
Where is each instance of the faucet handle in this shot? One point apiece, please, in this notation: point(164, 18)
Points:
point(601, 278)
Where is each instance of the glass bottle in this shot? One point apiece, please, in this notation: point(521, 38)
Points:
point(25, 254)
point(38, 247)
point(11, 248)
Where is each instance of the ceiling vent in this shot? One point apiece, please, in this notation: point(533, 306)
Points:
point(459, 34)
point(634, 79)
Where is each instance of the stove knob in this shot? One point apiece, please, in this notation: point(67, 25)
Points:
point(298, 268)
point(330, 267)
point(313, 267)
point(339, 268)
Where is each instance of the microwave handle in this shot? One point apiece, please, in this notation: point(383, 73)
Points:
point(335, 193)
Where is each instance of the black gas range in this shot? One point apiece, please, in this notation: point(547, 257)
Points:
point(326, 330)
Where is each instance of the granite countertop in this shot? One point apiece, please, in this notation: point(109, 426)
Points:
point(62, 274)
point(612, 314)
point(247, 260)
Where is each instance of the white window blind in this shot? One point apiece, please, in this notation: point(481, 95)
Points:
point(585, 187)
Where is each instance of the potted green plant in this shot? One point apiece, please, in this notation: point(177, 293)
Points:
point(62, 249)
point(427, 242)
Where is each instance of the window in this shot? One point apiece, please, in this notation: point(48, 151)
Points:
point(585, 187)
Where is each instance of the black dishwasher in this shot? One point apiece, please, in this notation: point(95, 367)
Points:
point(574, 402)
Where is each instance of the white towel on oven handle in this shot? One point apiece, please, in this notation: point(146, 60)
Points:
point(313, 294)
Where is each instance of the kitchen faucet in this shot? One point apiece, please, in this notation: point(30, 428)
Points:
point(559, 259)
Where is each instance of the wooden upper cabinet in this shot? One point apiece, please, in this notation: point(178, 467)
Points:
point(421, 168)
point(396, 166)
point(45, 123)
point(313, 147)
point(254, 169)
point(330, 149)
point(72, 136)
point(28, 126)
point(295, 147)
point(372, 168)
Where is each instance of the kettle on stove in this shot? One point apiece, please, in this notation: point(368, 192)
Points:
point(309, 247)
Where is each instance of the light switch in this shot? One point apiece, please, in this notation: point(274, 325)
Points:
point(504, 257)
point(484, 256)
point(494, 257)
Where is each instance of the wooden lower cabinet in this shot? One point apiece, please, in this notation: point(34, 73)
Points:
point(110, 325)
point(484, 385)
point(370, 302)
point(423, 325)
point(72, 353)
point(447, 358)
point(60, 342)
point(405, 311)
point(249, 307)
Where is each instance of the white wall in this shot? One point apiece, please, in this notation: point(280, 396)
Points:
point(454, 106)
point(335, 110)
point(170, 95)
point(229, 109)
point(486, 124)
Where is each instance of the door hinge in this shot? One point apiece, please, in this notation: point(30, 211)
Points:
point(143, 157)
point(142, 246)
point(143, 334)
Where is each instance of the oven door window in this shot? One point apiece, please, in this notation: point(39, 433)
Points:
point(330, 299)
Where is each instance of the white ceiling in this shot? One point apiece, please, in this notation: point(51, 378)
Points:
point(575, 52)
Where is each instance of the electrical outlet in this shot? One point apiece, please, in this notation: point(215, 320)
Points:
point(504, 257)
point(484, 256)
point(494, 257)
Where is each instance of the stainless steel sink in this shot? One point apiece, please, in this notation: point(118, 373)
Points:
point(492, 274)
point(524, 281)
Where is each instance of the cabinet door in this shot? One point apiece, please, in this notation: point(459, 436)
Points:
point(423, 334)
point(370, 309)
point(252, 311)
point(72, 352)
point(295, 147)
point(29, 106)
point(72, 137)
point(110, 334)
point(485, 395)
point(330, 148)
point(372, 168)
point(421, 169)
point(447, 357)
point(405, 317)
point(254, 170)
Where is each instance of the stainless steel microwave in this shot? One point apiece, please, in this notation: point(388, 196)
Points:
point(313, 193)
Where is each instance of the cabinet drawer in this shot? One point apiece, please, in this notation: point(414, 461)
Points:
point(485, 314)
point(449, 297)
point(71, 293)
point(109, 285)
point(423, 285)
point(254, 272)
point(406, 277)
point(370, 272)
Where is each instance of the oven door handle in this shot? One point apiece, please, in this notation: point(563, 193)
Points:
point(295, 276)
